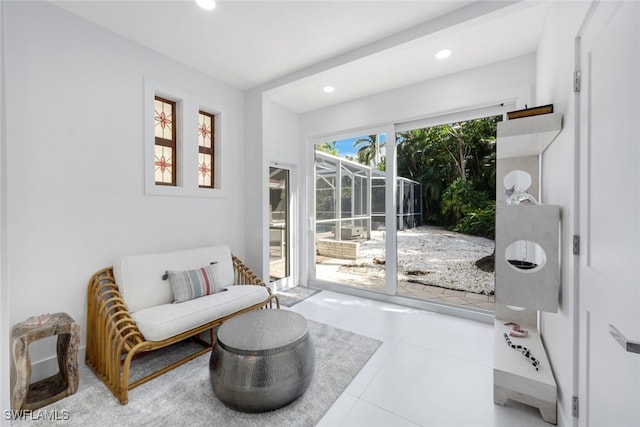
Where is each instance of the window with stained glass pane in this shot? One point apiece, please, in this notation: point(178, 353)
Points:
point(206, 127)
point(165, 143)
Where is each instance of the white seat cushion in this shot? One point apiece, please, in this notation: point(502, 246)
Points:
point(139, 277)
point(167, 320)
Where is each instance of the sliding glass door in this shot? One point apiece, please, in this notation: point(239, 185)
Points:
point(446, 212)
point(410, 213)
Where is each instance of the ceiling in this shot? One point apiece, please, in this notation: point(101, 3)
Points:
point(295, 48)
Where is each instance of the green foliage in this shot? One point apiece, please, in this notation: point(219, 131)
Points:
point(456, 166)
point(328, 147)
point(471, 210)
point(479, 222)
point(461, 198)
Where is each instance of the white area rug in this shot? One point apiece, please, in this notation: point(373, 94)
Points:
point(183, 396)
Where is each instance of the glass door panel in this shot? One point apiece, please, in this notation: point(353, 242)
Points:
point(279, 219)
point(350, 212)
point(445, 193)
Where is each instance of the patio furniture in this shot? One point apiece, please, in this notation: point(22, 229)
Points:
point(26, 396)
point(262, 360)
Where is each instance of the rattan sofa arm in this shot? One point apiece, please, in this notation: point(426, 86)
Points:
point(244, 276)
point(109, 323)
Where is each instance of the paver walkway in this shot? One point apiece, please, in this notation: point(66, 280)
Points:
point(329, 270)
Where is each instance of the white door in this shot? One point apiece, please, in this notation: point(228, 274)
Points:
point(609, 277)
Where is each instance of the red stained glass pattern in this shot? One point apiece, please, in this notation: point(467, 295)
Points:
point(163, 119)
point(205, 130)
point(204, 170)
point(206, 141)
point(163, 164)
point(165, 142)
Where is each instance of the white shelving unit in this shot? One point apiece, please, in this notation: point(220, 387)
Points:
point(520, 142)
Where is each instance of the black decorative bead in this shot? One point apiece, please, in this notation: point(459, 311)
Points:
point(524, 350)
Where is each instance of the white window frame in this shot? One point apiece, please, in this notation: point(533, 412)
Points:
point(188, 107)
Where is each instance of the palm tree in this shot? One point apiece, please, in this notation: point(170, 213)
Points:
point(369, 150)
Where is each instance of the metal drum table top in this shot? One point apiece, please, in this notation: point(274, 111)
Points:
point(262, 332)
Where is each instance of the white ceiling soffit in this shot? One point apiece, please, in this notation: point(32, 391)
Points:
point(370, 45)
point(503, 36)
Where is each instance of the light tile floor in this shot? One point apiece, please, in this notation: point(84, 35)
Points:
point(431, 370)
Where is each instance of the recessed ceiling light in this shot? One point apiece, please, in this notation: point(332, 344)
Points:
point(207, 4)
point(444, 53)
point(328, 89)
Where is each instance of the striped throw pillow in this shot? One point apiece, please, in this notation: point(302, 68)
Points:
point(187, 285)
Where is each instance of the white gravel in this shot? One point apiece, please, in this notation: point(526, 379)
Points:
point(431, 256)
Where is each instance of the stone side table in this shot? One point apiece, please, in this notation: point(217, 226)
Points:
point(27, 396)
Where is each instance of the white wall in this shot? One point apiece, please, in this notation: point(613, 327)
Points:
point(512, 79)
point(75, 170)
point(255, 195)
point(556, 55)
point(272, 137)
point(282, 147)
point(281, 133)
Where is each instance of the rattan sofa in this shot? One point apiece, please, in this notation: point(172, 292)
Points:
point(119, 314)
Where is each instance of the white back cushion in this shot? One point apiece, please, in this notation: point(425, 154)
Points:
point(139, 277)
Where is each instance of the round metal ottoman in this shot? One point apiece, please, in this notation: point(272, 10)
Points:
point(262, 360)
